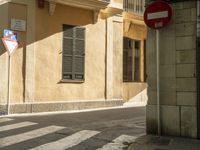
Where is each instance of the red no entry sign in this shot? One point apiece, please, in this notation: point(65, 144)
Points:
point(158, 14)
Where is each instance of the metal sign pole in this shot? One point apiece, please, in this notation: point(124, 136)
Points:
point(156, 16)
point(158, 78)
point(8, 93)
point(11, 44)
point(198, 68)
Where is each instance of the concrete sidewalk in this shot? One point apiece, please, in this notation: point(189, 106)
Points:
point(152, 142)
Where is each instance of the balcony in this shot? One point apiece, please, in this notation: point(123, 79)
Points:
point(134, 6)
point(115, 7)
point(134, 26)
point(94, 5)
point(107, 8)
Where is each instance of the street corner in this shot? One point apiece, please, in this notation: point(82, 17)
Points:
point(150, 142)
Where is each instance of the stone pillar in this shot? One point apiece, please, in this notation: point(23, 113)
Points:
point(114, 51)
point(117, 57)
point(177, 74)
point(185, 22)
point(109, 59)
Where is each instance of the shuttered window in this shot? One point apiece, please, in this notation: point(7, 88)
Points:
point(131, 60)
point(73, 53)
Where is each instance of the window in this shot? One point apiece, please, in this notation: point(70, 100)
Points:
point(131, 60)
point(73, 55)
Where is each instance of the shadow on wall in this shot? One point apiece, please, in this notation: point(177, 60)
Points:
point(133, 91)
point(40, 26)
point(46, 25)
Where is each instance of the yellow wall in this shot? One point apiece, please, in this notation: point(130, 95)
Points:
point(49, 56)
point(37, 64)
point(18, 58)
point(131, 89)
point(3, 54)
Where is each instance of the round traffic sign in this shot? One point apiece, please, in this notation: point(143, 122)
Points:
point(157, 14)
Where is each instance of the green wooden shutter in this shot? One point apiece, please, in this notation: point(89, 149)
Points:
point(73, 52)
point(79, 53)
point(67, 62)
point(125, 58)
point(137, 61)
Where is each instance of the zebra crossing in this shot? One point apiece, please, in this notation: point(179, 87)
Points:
point(69, 141)
point(17, 125)
point(64, 142)
point(5, 120)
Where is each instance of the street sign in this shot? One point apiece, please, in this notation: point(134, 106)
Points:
point(9, 34)
point(18, 25)
point(10, 45)
point(158, 14)
point(10, 41)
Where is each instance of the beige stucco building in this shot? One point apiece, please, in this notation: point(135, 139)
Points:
point(70, 55)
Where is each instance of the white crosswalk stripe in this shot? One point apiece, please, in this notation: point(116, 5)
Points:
point(64, 143)
point(16, 126)
point(14, 139)
point(118, 143)
point(5, 119)
point(69, 141)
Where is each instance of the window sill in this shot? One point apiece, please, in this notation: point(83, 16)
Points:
point(71, 81)
point(134, 82)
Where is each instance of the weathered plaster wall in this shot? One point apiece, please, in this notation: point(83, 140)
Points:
point(18, 9)
point(18, 58)
point(37, 64)
point(3, 55)
point(49, 56)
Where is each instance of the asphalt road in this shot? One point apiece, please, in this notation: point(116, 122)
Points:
point(112, 129)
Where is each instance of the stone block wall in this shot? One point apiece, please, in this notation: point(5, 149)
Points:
point(178, 95)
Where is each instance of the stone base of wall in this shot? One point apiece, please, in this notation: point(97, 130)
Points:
point(175, 120)
point(61, 106)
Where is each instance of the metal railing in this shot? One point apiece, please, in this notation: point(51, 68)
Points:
point(134, 6)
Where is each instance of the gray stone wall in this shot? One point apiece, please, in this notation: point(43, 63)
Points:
point(177, 74)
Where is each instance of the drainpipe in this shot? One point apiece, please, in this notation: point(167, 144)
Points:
point(198, 68)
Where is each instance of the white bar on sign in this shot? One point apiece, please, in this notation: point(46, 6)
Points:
point(157, 15)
